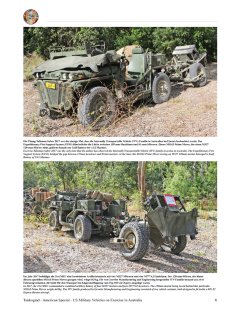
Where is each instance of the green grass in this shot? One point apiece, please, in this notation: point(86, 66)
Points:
point(33, 218)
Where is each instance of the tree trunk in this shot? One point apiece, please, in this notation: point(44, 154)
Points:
point(141, 179)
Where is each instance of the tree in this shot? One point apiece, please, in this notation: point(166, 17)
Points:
point(141, 179)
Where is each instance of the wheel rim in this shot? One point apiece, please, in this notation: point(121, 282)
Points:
point(201, 74)
point(170, 245)
point(175, 243)
point(162, 88)
point(78, 228)
point(130, 241)
point(101, 108)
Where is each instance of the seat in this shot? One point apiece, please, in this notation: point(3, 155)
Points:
point(137, 65)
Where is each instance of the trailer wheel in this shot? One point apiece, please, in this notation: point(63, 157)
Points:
point(136, 241)
point(161, 88)
point(82, 228)
point(98, 108)
point(53, 221)
point(198, 70)
point(178, 246)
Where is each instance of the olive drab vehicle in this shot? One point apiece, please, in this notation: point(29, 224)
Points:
point(88, 213)
point(188, 66)
point(166, 223)
point(92, 82)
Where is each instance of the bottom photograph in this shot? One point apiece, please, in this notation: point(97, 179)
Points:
point(94, 217)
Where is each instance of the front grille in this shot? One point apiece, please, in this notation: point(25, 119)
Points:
point(53, 95)
point(59, 98)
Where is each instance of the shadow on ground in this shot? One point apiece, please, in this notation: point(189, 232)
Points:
point(35, 264)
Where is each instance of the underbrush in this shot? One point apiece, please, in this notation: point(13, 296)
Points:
point(29, 63)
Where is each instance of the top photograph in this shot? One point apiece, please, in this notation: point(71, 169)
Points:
point(120, 81)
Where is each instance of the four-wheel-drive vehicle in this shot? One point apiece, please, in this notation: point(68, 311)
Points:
point(88, 214)
point(188, 66)
point(166, 223)
point(91, 82)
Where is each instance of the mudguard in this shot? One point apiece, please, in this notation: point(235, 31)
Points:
point(164, 222)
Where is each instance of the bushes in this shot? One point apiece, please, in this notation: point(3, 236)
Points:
point(157, 39)
point(195, 182)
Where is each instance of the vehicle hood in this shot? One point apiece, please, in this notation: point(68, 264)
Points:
point(77, 62)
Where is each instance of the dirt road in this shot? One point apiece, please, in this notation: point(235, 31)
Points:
point(48, 251)
point(189, 112)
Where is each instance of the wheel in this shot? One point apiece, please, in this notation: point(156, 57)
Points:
point(136, 241)
point(198, 70)
point(98, 108)
point(82, 228)
point(54, 221)
point(161, 88)
point(177, 246)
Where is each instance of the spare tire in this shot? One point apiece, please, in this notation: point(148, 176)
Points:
point(161, 88)
point(198, 70)
point(97, 108)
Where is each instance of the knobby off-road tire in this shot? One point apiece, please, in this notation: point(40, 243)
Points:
point(82, 228)
point(54, 221)
point(161, 88)
point(179, 245)
point(136, 241)
point(197, 69)
point(97, 109)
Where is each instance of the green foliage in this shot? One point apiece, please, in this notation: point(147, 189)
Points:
point(195, 182)
point(158, 39)
point(33, 218)
point(205, 39)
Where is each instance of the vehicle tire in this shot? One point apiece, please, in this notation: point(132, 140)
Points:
point(98, 108)
point(82, 228)
point(136, 241)
point(197, 69)
point(178, 246)
point(53, 115)
point(161, 88)
point(54, 221)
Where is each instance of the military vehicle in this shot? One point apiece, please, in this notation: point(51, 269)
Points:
point(166, 223)
point(188, 66)
point(88, 213)
point(92, 82)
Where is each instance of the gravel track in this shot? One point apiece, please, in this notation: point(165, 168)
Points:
point(190, 112)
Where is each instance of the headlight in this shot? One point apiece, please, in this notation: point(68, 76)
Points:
point(42, 75)
point(64, 76)
point(70, 76)
point(37, 75)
